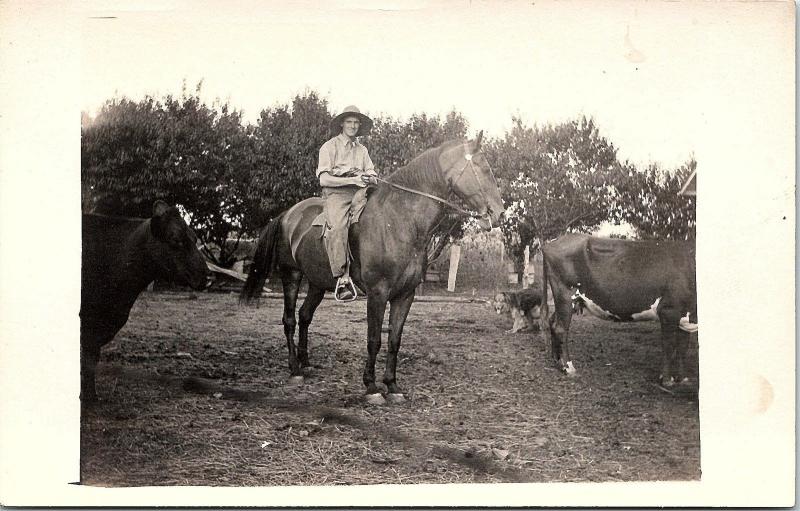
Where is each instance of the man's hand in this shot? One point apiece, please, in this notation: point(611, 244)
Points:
point(369, 180)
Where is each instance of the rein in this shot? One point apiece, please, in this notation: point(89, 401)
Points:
point(428, 195)
point(462, 211)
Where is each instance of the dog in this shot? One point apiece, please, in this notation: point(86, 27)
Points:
point(523, 306)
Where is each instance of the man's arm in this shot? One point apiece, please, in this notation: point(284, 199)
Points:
point(327, 180)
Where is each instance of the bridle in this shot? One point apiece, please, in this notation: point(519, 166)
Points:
point(450, 184)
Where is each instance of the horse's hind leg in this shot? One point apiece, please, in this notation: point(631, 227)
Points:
point(291, 286)
point(397, 318)
point(310, 304)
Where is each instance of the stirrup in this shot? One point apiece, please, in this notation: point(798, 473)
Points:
point(348, 287)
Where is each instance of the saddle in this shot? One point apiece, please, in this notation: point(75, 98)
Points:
point(297, 227)
point(318, 222)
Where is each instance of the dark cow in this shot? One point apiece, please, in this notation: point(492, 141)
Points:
point(121, 256)
point(622, 280)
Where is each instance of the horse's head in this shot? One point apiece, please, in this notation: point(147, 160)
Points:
point(172, 248)
point(468, 175)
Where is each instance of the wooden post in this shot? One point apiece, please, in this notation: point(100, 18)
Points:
point(525, 267)
point(455, 257)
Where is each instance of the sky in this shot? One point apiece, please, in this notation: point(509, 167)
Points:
point(649, 73)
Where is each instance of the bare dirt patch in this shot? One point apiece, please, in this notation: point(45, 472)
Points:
point(194, 393)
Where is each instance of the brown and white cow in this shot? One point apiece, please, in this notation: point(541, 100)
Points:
point(622, 280)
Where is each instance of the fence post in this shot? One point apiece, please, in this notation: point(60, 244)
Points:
point(455, 257)
point(525, 267)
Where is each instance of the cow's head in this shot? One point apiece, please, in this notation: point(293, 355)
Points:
point(172, 248)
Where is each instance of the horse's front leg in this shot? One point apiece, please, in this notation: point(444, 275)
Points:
point(397, 318)
point(376, 307)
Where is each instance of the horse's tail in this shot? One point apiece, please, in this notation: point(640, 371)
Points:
point(544, 309)
point(262, 261)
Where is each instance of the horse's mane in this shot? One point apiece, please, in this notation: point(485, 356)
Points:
point(424, 171)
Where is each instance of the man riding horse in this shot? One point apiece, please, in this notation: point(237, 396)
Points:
point(389, 250)
point(344, 171)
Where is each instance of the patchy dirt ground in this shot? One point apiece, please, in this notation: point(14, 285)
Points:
point(194, 393)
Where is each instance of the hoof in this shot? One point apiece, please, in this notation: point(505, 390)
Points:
point(375, 399)
point(569, 369)
point(395, 399)
point(295, 380)
point(666, 382)
point(685, 381)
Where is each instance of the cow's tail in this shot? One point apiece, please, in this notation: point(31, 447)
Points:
point(544, 309)
point(263, 261)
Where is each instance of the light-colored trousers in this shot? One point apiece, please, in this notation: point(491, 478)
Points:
point(341, 203)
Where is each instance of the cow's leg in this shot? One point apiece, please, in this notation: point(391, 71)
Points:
point(93, 337)
point(559, 327)
point(291, 286)
point(682, 339)
point(376, 307)
point(397, 318)
point(310, 304)
point(669, 318)
point(90, 354)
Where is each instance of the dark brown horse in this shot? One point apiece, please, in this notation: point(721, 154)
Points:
point(388, 245)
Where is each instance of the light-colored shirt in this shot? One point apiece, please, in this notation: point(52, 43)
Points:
point(340, 156)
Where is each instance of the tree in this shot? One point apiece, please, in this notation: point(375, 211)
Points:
point(553, 179)
point(117, 150)
point(179, 150)
point(288, 138)
point(648, 200)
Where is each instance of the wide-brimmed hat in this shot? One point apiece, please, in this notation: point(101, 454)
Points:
point(350, 111)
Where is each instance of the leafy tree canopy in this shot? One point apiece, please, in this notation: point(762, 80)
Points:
point(178, 149)
point(553, 178)
point(648, 200)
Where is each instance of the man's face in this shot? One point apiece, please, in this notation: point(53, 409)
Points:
point(350, 126)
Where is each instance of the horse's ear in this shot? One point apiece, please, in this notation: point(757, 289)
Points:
point(160, 208)
point(478, 140)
